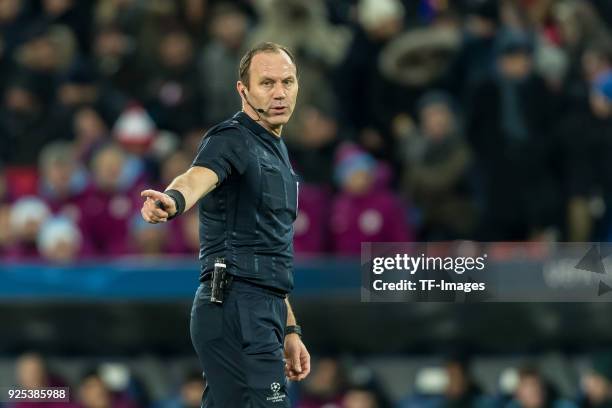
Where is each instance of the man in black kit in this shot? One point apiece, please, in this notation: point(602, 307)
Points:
point(250, 343)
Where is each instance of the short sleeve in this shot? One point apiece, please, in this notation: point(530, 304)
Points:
point(224, 153)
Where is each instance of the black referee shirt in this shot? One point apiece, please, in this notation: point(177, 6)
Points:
point(248, 218)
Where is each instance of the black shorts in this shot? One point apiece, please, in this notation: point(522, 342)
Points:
point(240, 347)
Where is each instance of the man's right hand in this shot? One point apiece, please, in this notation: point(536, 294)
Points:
point(151, 212)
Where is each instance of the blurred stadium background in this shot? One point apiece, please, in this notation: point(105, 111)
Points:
point(417, 120)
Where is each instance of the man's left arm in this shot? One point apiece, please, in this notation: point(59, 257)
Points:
point(297, 358)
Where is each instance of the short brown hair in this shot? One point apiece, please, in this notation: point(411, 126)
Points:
point(245, 62)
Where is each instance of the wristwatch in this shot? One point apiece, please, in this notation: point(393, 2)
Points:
point(294, 329)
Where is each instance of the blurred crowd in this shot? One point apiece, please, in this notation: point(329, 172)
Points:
point(450, 384)
point(416, 120)
point(335, 382)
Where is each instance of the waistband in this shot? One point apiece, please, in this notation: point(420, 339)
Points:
point(237, 281)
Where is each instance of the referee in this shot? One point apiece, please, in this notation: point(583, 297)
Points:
point(246, 335)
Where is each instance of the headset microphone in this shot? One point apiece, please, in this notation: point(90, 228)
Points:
point(250, 104)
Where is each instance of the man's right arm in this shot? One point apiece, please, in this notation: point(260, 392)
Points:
point(194, 184)
point(220, 154)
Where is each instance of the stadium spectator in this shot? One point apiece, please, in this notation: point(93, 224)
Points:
point(303, 27)
point(360, 398)
point(379, 22)
point(509, 129)
point(31, 372)
point(461, 390)
point(601, 95)
point(365, 210)
point(325, 387)
point(5, 211)
point(27, 216)
point(183, 232)
point(312, 150)
point(70, 13)
point(60, 241)
point(189, 394)
point(597, 384)
point(311, 227)
point(23, 120)
point(364, 388)
point(90, 131)
point(218, 61)
point(143, 142)
point(116, 61)
point(313, 139)
point(579, 26)
point(437, 163)
point(63, 179)
point(174, 164)
point(13, 22)
point(36, 56)
point(92, 392)
point(587, 158)
point(135, 130)
point(12, 16)
point(533, 391)
point(597, 61)
point(172, 93)
point(185, 235)
point(111, 199)
point(604, 9)
point(476, 60)
point(125, 13)
point(78, 88)
point(148, 240)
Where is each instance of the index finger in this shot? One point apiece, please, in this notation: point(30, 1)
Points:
point(155, 195)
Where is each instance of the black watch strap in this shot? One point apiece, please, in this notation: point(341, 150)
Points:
point(294, 329)
point(179, 202)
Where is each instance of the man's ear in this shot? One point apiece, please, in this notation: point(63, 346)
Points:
point(239, 87)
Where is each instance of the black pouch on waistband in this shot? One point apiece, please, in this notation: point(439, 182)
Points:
point(219, 281)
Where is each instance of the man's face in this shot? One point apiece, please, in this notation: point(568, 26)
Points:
point(516, 66)
point(176, 50)
point(94, 394)
point(230, 29)
point(273, 87)
point(56, 7)
point(596, 388)
point(31, 372)
point(530, 392)
point(436, 121)
point(9, 10)
point(107, 166)
point(58, 175)
point(600, 106)
point(593, 65)
point(457, 381)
